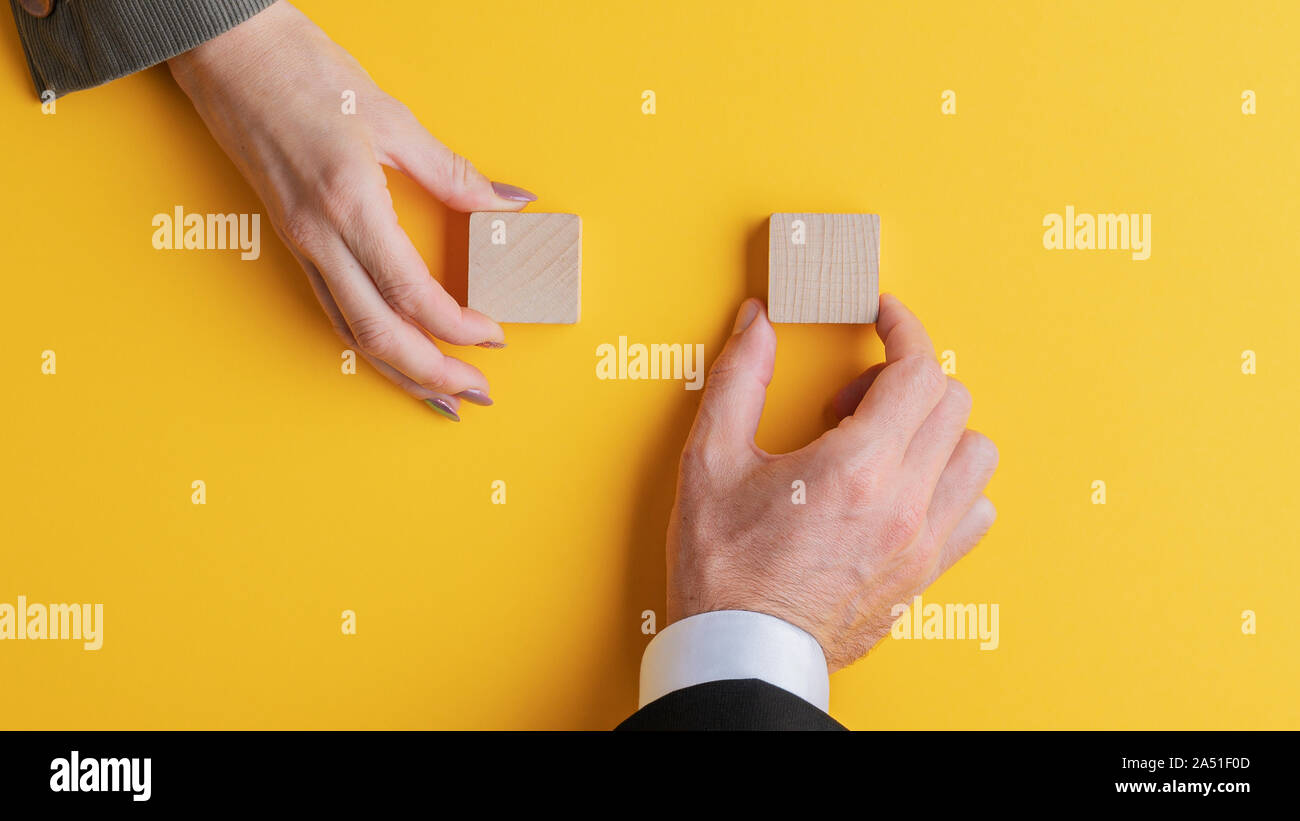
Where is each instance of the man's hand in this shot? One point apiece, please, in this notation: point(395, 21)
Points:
point(894, 493)
point(270, 90)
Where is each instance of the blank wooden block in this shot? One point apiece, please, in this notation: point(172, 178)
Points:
point(823, 268)
point(525, 267)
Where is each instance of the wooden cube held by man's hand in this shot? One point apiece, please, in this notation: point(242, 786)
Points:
point(823, 268)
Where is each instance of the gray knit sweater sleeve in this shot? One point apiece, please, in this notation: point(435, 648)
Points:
point(84, 43)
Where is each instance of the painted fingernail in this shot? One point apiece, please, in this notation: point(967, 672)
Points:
point(444, 407)
point(476, 396)
point(745, 318)
point(494, 346)
point(513, 193)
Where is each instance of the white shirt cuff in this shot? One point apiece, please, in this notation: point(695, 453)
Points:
point(735, 644)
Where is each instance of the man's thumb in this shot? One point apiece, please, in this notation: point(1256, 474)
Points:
point(737, 386)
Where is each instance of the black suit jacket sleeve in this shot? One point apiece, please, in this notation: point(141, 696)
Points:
point(739, 704)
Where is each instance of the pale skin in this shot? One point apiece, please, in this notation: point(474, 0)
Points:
point(270, 90)
point(894, 493)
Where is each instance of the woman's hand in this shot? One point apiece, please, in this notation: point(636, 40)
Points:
point(271, 91)
point(891, 498)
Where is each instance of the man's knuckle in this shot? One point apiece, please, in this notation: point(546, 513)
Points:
point(704, 463)
point(862, 484)
point(726, 369)
point(928, 375)
point(921, 558)
point(960, 397)
point(904, 522)
point(986, 452)
point(856, 479)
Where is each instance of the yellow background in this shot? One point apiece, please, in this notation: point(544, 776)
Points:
point(329, 492)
